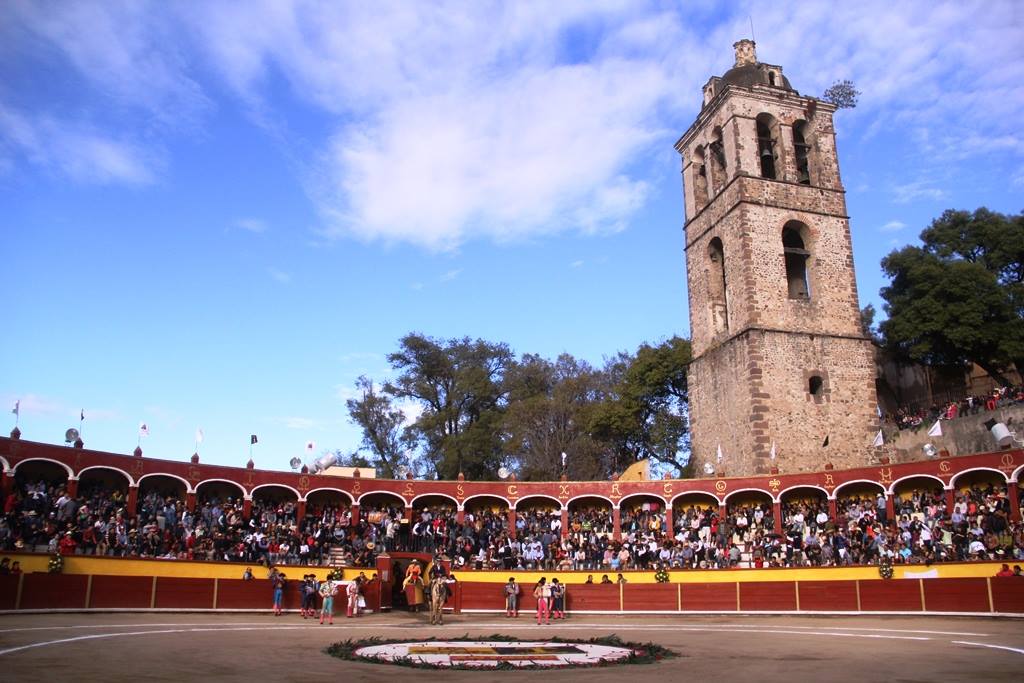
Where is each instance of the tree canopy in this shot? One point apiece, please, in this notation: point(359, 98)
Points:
point(959, 297)
point(480, 408)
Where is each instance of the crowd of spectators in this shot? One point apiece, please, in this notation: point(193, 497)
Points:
point(42, 517)
point(910, 417)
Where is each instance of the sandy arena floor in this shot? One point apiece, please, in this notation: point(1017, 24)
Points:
point(250, 647)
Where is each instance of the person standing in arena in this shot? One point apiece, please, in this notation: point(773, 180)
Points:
point(512, 598)
point(278, 581)
point(328, 589)
point(542, 591)
point(557, 599)
point(353, 598)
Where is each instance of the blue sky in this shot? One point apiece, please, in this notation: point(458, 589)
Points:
point(219, 215)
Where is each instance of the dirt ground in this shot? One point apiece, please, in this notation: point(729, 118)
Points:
point(247, 647)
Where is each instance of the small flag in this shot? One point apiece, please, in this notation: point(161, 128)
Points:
point(143, 429)
point(310, 446)
point(199, 436)
point(253, 439)
point(564, 456)
point(772, 453)
point(879, 440)
point(824, 443)
point(878, 409)
point(81, 416)
point(17, 408)
point(936, 429)
point(719, 453)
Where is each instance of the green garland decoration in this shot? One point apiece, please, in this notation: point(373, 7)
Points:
point(885, 568)
point(641, 653)
point(335, 574)
point(56, 565)
point(661, 576)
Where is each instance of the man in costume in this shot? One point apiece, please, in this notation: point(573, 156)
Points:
point(413, 586)
point(328, 589)
point(353, 598)
point(512, 598)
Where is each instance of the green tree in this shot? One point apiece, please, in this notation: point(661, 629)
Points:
point(645, 416)
point(549, 405)
point(460, 385)
point(382, 426)
point(958, 297)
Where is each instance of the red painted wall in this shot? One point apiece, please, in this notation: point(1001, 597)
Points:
point(828, 596)
point(768, 596)
point(53, 591)
point(956, 595)
point(8, 591)
point(186, 593)
point(121, 591)
point(1008, 595)
point(709, 596)
point(900, 595)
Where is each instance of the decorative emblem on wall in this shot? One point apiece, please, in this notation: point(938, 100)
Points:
point(409, 491)
point(666, 488)
point(356, 488)
point(829, 482)
point(460, 492)
point(563, 491)
point(513, 491)
point(304, 483)
point(885, 475)
point(774, 485)
point(138, 467)
point(249, 479)
point(193, 474)
point(944, 467)
point(615, 491)
point(720, 486)
point(1007, 463)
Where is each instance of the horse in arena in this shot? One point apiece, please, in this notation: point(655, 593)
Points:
point(438, 596)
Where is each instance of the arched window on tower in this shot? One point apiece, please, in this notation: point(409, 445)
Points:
point(796, 255)
point(716, 287)
point(717, 161)
point(700, 178)
point(766, 145)
point(802, 151)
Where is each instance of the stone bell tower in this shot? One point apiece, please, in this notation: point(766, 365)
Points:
point(779, 355)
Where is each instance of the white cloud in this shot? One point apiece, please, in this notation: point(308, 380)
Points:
point(576, 264)
point(416, 286)
point(251, 224)
point(913, 191)
point(279, 275)
point(893, 226)
point(76, 151)
point(450, 275)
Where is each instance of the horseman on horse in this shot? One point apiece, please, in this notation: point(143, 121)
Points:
point(438, 590)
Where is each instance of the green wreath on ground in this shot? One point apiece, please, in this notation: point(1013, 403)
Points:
point(640, 653)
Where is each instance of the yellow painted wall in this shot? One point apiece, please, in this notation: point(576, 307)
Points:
point(84, 564)
point(81, 564)
point(969, 569)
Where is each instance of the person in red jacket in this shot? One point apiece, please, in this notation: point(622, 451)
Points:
point(67, 544)
point(1005, 571)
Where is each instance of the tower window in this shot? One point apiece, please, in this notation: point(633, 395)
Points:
point(802, 151)
point(796, 256)
point(771, 78)
point(700, 179)
point(816, 386)
point(766, 145)
point(717, 161)
point(716, 287)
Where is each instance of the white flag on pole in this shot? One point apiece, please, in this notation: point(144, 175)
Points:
point(310, 446)
point(936, 429)
point(17, 408)
point(199, 436)
point(719, 453)
point(143, 429)
point(772, 454)
point(879, 439)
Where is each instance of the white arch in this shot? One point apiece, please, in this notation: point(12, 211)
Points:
point(412, 503)
point(590, 495)
point(661, 499)
point(6, 464)
point(328, 488)
point(881, 487)
point(1017, 472)
point(715, 498)
point(298, 496)
point(733, 493)
point(802, 486)
point(952, 482)
point(892, 487)
point(245, 494)
point(131, 482)
point(508, 503)
point(188, 487)
point(67, 468)
point(548, 496)
point(389, 493)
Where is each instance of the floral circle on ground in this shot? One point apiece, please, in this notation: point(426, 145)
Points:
point(500, 652)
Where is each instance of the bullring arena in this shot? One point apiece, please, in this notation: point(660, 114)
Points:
point(173, 610)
